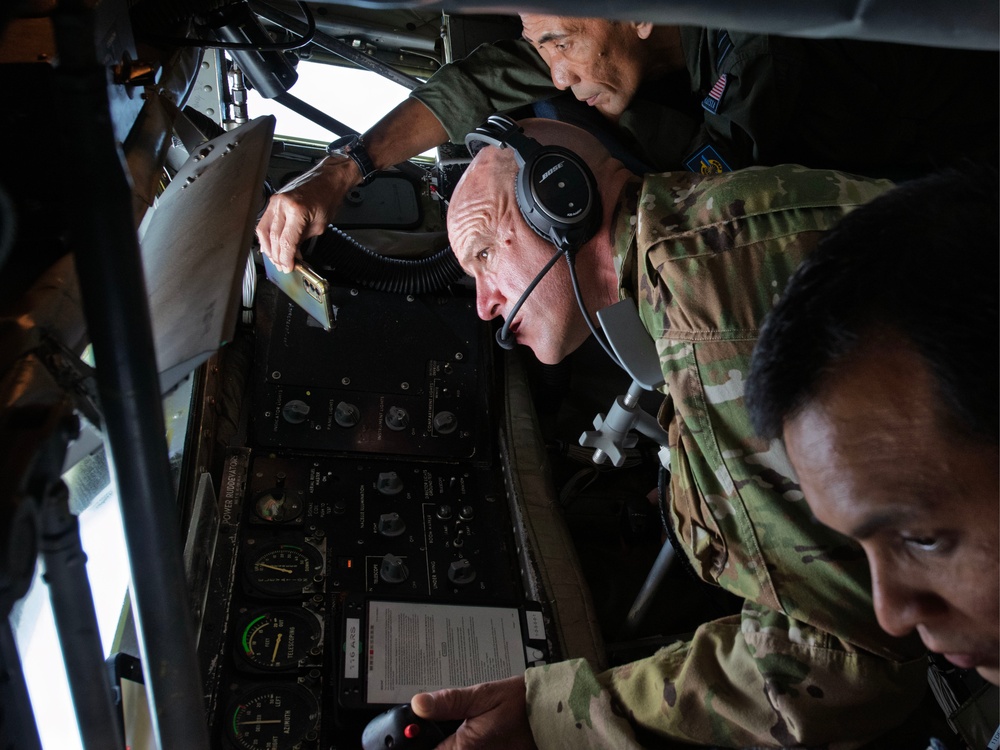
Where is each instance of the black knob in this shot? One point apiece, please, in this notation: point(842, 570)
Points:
point(390, 524)
point(393, 569)
point(389, 483)
point(461, 572)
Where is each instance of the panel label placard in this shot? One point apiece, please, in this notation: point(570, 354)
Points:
point(414, 647)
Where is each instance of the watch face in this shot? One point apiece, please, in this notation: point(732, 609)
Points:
point(342, 145)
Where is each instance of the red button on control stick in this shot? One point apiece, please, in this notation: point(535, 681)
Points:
point(411, 731)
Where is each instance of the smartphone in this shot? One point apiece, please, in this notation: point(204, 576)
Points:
point(306, 288)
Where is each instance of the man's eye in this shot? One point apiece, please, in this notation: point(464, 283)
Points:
point(925, 543)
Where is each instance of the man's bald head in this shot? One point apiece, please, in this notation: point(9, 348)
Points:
point(495, 245)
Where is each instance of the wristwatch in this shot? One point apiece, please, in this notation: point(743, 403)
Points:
point(353, 147)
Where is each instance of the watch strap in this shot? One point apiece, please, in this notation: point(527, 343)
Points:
point(353, 147)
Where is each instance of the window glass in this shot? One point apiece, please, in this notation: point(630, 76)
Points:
point(358, 98)
point(94, 500)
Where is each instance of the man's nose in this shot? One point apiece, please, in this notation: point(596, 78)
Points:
point(901, 605)
point(562, 74)
point(488, 301)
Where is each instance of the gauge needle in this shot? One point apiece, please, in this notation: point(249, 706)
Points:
point(277, 642)
point(275, 567)
point(263, 721)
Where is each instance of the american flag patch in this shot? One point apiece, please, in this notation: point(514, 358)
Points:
point(711, 102)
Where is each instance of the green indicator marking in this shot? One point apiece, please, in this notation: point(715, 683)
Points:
point(246, 632)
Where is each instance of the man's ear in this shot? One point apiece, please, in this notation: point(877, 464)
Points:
point(643, 28)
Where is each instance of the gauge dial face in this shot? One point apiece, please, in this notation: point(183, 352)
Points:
point(278, 505)
point(283, 570)
point(272, 717)
point(279, 639)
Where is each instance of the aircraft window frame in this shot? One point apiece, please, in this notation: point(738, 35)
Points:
point(356, 97)
point(94, 499)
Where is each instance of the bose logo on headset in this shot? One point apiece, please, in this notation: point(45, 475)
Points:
point(554, 169)
point(567, 211)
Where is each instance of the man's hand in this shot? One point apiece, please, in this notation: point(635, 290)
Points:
point(303, 207)
point(494, 712)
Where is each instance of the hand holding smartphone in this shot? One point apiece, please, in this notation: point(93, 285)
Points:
point(306, 288)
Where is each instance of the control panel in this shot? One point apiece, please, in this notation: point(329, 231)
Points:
point(366, 549)
point(396, 374)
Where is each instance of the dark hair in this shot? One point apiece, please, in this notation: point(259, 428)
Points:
point(920, 260)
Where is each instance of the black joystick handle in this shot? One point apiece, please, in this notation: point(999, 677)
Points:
point(401, 729)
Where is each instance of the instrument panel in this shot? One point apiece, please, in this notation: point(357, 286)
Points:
point(365, 549)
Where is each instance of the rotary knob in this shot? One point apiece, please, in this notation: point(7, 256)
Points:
point(461, 572)
point(467, 513)
point(393, 569)
point(397, 418)
point(346, 415)
point(445, 422)
point(444, 511)
point(389, 483)
point(390, 524)
point(295, 411)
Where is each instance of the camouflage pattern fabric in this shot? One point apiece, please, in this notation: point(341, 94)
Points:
point(805, 664)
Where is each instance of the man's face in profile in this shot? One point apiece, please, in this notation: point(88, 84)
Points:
point(496, 247)
point(879, 462)
point(599, 60)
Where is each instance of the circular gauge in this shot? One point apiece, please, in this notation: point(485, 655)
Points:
point(278, 505)
point(272, 717)
point(283, 569)
point(279, 638)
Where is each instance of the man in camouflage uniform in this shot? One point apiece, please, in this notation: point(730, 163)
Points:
point(705, 258)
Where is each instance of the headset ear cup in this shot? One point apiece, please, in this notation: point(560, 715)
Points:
point(556, 191)
point(558, 196)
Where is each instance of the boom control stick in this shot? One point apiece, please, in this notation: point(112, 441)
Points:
point(612, 435)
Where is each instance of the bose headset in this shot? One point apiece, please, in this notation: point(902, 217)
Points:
point(558, 197)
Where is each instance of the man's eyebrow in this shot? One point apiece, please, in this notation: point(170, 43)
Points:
point(548, 36)
point(883, 519)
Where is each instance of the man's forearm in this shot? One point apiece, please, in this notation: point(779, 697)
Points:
point(409, 129)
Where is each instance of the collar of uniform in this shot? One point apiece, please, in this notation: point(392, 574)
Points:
point(698, 56)
point(623, 229)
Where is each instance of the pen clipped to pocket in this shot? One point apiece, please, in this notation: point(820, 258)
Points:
point(306, 288)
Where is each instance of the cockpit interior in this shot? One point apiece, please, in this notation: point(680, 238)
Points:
point(245, 509)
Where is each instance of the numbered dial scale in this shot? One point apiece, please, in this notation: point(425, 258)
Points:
point(283, 569)
point(272, 717)
point(279, 639)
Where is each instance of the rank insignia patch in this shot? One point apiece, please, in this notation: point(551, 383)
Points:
point(711, 102)
point(707, 161)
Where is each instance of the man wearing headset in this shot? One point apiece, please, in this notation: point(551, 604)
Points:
point(805, 663)
point(704, 100)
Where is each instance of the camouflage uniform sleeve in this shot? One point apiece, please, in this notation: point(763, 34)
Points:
point(805, 663)
point(754, 679)
point(569, 707)
point(493, 78)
